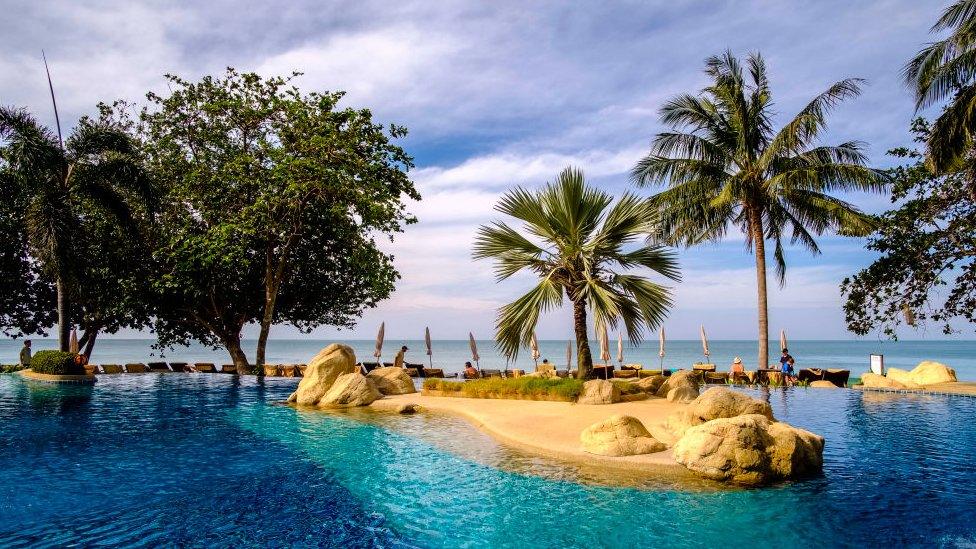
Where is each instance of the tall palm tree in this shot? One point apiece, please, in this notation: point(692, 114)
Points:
point(943, 69)
point(96, 171)
point(574, 241)
point(725, 167)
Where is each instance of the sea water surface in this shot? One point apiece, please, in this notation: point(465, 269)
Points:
point(215, 460)
point(451, 354)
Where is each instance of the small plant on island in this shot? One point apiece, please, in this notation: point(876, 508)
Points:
point(58, 363)
point(528, 388)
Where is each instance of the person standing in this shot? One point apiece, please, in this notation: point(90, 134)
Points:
point(25, 354)
point(399, 360)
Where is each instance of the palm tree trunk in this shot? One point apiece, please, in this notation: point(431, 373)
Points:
point(759, 241)
point(584, 360)
point(64, 316)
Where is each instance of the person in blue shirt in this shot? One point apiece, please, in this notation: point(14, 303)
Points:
point(786, 363)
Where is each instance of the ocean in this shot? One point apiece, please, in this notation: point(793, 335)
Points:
point(451, 354)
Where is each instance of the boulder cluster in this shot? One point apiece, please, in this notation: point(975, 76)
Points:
point(721, 435)
point(332, 380)
point(926, 373)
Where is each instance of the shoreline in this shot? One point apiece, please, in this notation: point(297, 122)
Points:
point(515, 423)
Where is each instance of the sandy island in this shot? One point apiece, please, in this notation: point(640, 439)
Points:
point(517, 423)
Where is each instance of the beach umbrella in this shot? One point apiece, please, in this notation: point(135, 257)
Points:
point(534, 345)
point(73, 344)
point(379, 343)
point(782, 340)
point(604, 344)
point(620, 349)
point(704, 341)
point(474, 350)
point(430, 353)
point(660, 350)
point(569, 356)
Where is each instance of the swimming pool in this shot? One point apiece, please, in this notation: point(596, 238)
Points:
point(194, 460)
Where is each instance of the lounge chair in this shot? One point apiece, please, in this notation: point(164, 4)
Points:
point(464, 375)
point(491, 373)
point(434, 372)
point(111, 368)
point(271, 370)
point(388, 364)
point(91, 369)
point(716, 377)
point(625, 373)
point(516, 373)
point(837, 377)
point(208, 367)
point(178, 366)
point(369, 366)
point(136, 368)
point(603, 372)
point(228, 369)
point(301, 369)
point(158, 366)
point(742, 378)
point(545, 368)
point(412, 372)
point(287, 370)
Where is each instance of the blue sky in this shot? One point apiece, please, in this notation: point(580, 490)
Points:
point(505, 93)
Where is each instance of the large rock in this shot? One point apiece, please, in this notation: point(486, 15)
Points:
point(651, 384)
point(873, 380)
point(749, 449)
point(904, 377)
point(322, 371)
point(823, 384)
point(392, 381)
point(350, 390)
point(681, 378)
point(599, 391)
point(619, 436)
point(929, 372)
point(717, 403)
point(682, 394)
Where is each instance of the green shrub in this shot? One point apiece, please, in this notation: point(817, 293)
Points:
point(11, 368)
point(628, 388)
point(567, 389)
point(56, 363)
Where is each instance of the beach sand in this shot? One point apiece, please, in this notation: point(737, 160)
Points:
point(552, 429)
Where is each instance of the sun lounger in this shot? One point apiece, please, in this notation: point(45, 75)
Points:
point(625, 373)
point(287, 370)
point(271, 370)
point(388, 364)
point(136, 368)
point(491, 373)
point(208, 367)
point(91, 369)
point(112, 368)
point(545, 368)
point(412, 372)
point(716, 377)
point(228, 369)
point(369, 366)
point(178, 366)
point(516, 373)
point(301, 369)
point(158, 366)
point(837, 377)
point(603, 372)
point(466, 376)
point(742, 377)
point(434, 372)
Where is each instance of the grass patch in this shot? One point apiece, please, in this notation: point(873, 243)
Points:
point(567, 389)
point(628, 388)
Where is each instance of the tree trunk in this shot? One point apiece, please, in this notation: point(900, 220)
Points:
point(89, 341)
point(233, 344)
point(64, 316)
point(584, 360)
point(274, 275)
point(759, 241)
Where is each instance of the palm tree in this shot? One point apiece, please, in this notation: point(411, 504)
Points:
point(943, 69)
point(724, 166)
point(95, 171)
point(578, 252)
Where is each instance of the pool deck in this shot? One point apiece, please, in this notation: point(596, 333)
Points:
point(517, 423)
point(959, 388)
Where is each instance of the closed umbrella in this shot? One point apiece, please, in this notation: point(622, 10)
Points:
point(660, 350)
point(474, 350)
point(569, 356)
point(604, 344)
point(73, 343)
point(430, 352)
point(534, 345)
point(782, 340)
point(704, 340)
point(379, 343)
point(620, 349)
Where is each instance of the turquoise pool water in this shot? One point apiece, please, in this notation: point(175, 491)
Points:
point(211, 460)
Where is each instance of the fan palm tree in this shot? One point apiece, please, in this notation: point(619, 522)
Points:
point(574, 241)
point(725, 167)
point(95, 171)
point(943, 69)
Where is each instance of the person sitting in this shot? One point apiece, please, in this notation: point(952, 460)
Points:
point(470, 372)
point(737, 367)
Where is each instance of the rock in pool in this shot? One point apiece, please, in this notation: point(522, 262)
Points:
point(619, 436)
point(823, 384)
point(681, 378)
point(651, 384)
point(929, 372)
point(330, 363)
point(599, 391)
point(682, 394)
point(408, 408)
point(873, 380)
point(717, 403)
point(350, 390)
point(392, 381)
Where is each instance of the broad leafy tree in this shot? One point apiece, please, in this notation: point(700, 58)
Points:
point(946, 70)
point(581, 246)
point(725, 167)
point(273, 201)
point(95, 172)
point(927, 269)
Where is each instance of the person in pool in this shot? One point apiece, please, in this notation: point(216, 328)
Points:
point(469, 371)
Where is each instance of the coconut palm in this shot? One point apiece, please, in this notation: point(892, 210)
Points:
point(95, 171)
point(573, 238)
point(726, 167)
point(944, 69)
